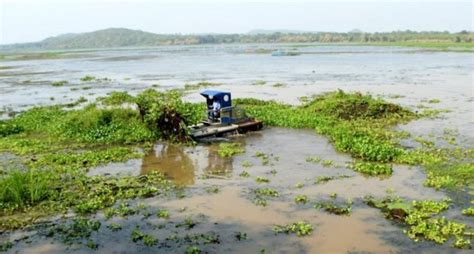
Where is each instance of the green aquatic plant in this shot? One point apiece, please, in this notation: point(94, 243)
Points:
point(165, 214)
point(240, 236)
point(114, 227)
point(230, 149)
point(147, 239)
point(371, 168)
point(269, 192)
point(212, 189)
point(355, 123)
point(434, 101)
point(200, 85)
point(325, 179)
point(123, 210)
point(88, 78)
point(301, 228)
point(301, 199)
point(468, 211)
point(299, 185)
point(334, 208)
point(261, 179)
point(279, 85)
point(86, 195)
point(78, 229)
point(327, 163)
point(263, 157)
point(59, 83)
point(5, 246)
point(419, 218)
point(244, 174)
point(188, 223)
point(260, 201)
point(246, 164)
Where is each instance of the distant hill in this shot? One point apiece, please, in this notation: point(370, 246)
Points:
point(272, 31)
point(122, 37)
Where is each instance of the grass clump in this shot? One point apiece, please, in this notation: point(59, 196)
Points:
point(21, 189)
point(300, 228)
point(230, 149)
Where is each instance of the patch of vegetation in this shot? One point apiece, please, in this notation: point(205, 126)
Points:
point(59, 83)
point(263, 157)
point(334, 208)
point(325, 179)
point(84, 194)
point(88, 78)
point(355, 123)
point(372, 169)
point(261, 179)
point(230, 149)
point(301, 199)
point(114, 227)
point(76, 231)
point(122, 210)
point(246, 164)
point(199, 85)
point(244, 174)
point(212, 189)
point(301, 228)
point(165, 214)
point(468, 211)
point(259, 83)
point(5, 246)
point(420, 219)
point(148, 240)
point(21, 189)
point(261, 195)
point(279, 85)
point(268, 192)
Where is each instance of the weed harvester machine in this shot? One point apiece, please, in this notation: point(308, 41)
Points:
point(223, 118)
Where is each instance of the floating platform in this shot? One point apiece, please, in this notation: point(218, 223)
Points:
point(217, 129)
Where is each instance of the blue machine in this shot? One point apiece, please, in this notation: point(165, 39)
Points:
point(225, 101)
point(228, 119)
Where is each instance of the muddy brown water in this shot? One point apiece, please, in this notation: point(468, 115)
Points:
point(232, 209)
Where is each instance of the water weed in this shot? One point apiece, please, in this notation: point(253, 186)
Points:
point(300, 228)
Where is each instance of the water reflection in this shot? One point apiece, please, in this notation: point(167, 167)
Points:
point(171, 160)
point(180, 164)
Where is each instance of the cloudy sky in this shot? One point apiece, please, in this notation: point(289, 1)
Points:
point(28, 20)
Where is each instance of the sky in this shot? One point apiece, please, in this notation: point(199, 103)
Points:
point(34, 20)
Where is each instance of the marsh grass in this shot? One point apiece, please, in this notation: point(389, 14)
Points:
point(25, 188)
